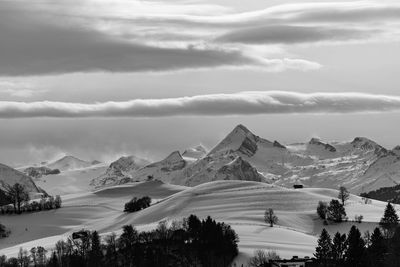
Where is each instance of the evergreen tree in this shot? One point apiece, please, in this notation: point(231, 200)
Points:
point(343, 194)
point(95, 253)
point(356, 248)
point(394, 250)
point(339, 247)
point(377, 249)
point(127, 242)
point(389, 221)
point(322, 210)
point(336, 211)
point(323, 252)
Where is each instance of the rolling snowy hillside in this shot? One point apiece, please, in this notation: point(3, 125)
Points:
point(239, 203)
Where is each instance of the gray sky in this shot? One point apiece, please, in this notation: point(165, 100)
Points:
point(179, 73)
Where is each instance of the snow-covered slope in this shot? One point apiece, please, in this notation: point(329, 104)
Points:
point(68, 163)
point(195, 152)
point(10, 176)
point(239, 203)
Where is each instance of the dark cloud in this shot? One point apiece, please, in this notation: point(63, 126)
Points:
point(31, 46)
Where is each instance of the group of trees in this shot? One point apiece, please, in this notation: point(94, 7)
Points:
point(136, 204)
point(190, 242)
point(45, 203)
point(381, 248)
point(335, 211)
point(18, 196)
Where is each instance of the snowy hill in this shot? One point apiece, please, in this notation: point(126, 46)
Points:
point(68, 163)
point(10, 176)
point(238, 203)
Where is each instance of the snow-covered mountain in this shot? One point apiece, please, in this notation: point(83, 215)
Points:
point(10, 176)
point(37, 172)
point(68, 163)
point(361, 164)
point(195, 152)
point(119, 171)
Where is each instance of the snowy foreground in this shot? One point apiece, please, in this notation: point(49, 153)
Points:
point(238, 203)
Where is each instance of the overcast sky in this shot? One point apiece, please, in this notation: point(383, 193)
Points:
point(103, 78)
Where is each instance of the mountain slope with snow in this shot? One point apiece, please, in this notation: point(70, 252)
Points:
point(10, 176)
point(361, 164)
point(68, 163)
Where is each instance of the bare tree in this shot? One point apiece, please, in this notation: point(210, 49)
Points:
point(343, 194)
point(270, 217)
point(18, 195)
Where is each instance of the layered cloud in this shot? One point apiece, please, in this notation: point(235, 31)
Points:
point(46, 37)
point(244, 103)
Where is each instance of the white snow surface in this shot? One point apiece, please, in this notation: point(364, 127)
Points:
point(238, 203)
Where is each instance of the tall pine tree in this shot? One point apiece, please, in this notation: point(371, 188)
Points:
point(95, 253)
point(323, 252)
point(339, 247)
point(389, 221)
point(355, 252)
point(377, 249)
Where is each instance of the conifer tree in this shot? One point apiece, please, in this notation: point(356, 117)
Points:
point(389, 221)
point(356, 248)
point(377, 249)
point(95, 253)
point(339, 247)
point(323, 252)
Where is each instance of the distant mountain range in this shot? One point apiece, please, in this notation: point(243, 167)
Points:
point(361, 165)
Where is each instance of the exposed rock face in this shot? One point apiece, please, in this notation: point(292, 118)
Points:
point(120, 171)
point(326, 146)
point(277, 144)
point(369, 145)
point(37, 172)
point(238, 169)
point(173, 162)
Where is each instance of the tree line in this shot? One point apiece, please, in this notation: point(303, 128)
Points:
point(18, 196)
point(381, 248)
point(190, 242)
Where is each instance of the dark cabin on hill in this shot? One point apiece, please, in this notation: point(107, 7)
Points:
point(298, 186)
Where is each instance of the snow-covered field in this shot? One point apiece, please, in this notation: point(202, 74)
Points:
point(238, 203)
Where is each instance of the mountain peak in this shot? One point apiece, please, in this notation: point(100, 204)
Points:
point(367, 144)
point(235, 139)
point(69, 163)
point(241, 127)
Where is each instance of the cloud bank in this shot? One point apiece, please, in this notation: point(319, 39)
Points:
point(55, 37)
point(244, 103)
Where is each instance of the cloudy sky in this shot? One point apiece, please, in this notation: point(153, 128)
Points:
point(104, 78)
